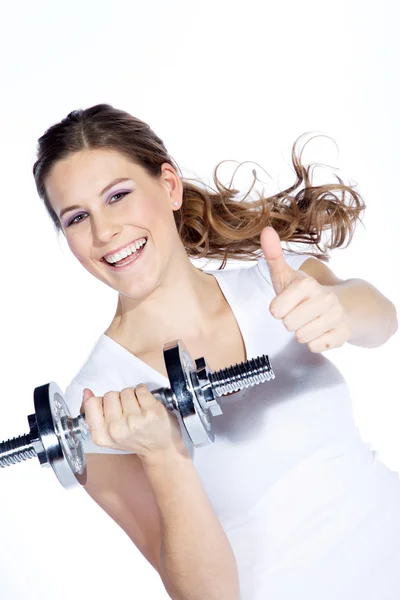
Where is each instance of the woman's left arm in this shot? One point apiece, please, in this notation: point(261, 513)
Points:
point(322, 310)
point(371, 317)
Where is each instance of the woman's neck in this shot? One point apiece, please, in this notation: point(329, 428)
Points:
point(183, 307)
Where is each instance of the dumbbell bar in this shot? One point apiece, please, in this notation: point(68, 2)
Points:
point(56, 438)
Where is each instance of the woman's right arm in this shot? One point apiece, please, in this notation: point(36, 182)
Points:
point(197, 560)
point(156, 495)
point(163, 508)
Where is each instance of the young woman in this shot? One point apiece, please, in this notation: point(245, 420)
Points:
point(288, 502)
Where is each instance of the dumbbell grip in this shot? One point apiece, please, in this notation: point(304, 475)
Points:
point(82, 427)
point(164, 395)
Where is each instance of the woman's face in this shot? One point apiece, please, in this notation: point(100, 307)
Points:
point(108, 208)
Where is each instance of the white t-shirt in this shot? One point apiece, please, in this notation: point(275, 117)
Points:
point(308, 508)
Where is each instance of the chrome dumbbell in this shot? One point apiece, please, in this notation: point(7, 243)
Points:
point(56, 438)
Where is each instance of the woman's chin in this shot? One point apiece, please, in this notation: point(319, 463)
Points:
point(137, 290)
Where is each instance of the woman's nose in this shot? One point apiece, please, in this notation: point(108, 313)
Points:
point(104, 228)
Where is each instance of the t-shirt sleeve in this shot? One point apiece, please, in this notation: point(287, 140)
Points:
point(293, 259)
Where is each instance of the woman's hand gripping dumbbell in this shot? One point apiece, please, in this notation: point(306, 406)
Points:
point(132, 420)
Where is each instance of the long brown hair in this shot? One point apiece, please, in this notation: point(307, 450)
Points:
point(212, 223)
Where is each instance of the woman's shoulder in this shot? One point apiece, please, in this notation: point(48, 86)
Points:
point(103, 370)
point(96, 374)
point(91, 374)
point(255, 274)
point(109, 367)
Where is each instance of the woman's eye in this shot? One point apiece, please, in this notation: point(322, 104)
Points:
point(115, 198)
point(118, 196)
point(76, 219)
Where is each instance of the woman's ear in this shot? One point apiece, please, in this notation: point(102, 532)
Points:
point(174, 184)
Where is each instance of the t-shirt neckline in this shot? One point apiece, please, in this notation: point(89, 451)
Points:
point(116, 346)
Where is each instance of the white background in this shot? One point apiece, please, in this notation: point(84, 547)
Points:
point(216, 80)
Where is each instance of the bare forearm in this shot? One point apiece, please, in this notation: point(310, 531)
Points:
point(371, 316)
point(197, 559)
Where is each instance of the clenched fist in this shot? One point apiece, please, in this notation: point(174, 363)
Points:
point(132, 420)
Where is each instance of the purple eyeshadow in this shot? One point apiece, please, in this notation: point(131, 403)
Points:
point(68, 223)
point(115, 192)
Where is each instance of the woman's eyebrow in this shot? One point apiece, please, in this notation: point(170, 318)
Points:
point(67, 209)
point(118, 180)
point(109, 186)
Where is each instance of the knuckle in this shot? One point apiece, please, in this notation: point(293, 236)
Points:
point(116, 431)
point(331, 298)
point(141, 388)
point(109, 396)
point(152, 415)
point(308, 283)
point(142, 392)
point(132, 423)
point(98, 438)
point(128, 390)
point(128, 393)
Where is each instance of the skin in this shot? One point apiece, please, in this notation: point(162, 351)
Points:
point(155, 306)
point(151, 298)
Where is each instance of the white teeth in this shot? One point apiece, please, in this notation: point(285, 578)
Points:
point(112, 258)
point(123, 254)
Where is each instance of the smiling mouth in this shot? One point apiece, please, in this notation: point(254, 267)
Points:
point(126, 256)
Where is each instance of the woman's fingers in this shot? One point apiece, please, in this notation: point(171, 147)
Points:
point(130, 403)
point(92, 406)
point(112, 406)
point(145, 398)
point(120, 419)
point(132, 420)
point(86, 394)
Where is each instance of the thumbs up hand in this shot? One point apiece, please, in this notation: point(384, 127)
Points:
point(312, 311)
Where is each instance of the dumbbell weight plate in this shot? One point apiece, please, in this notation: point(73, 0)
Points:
point(179, 367)
point(59, 446)
point(53, 432)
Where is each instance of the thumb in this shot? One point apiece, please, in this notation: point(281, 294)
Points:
point(86, 394)
point(279, 269)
